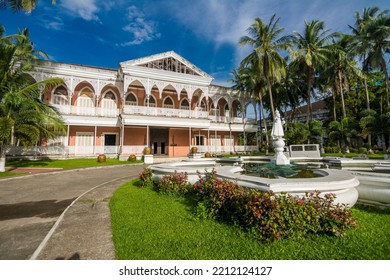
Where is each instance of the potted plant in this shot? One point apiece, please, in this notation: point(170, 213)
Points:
point(194, 150)
point(147, 151)
point(132, 158)
point(101, 158)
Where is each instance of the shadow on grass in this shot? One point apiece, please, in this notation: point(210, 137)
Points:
point(28, 163)
point(373, 209)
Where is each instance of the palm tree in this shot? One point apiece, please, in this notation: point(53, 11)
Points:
point(342, 132)
point(266, 44)
point(373, 123)
point(369, 40)
point(379, 29)
point(310, 54)
point(24, 118)
point(20, 5)
point(340, 67)
point(248, 80)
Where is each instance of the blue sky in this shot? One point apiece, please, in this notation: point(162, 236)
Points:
point(205, 32)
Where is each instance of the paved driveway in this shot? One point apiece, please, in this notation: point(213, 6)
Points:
point(30, 205)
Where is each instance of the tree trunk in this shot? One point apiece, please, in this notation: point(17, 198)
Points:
point(334, 106)
point(264, 119)
point(367, 103)
point(271, 99)
point(341, 94)
point(309, 83)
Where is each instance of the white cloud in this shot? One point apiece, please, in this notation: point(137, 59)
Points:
point(86, 9)
point(141, 29)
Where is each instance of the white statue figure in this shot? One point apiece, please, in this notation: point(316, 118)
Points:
point(277, 134)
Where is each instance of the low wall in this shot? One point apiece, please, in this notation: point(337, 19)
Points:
point(305, 150)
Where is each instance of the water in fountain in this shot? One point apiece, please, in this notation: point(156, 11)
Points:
point(273, 171)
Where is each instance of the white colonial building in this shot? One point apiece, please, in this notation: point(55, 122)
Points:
point(161, 101)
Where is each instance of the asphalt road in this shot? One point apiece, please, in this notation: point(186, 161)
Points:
point(30, 205)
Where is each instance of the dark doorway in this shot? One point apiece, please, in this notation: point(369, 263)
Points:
point(159, 140)
point(155, 149)
point(110, 144)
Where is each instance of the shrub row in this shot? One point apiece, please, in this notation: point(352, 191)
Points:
point(267, 215)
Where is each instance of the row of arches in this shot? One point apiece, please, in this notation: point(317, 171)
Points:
point(111, 98)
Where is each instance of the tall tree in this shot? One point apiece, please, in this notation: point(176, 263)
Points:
point(379, 30)
point(20, 5)
point(310, 53)
point(248, 80)
point(266, 43)
point(360, 42)
point(24, 118)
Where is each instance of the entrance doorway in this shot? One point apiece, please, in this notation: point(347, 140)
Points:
point(159, 140)
point(110, 146)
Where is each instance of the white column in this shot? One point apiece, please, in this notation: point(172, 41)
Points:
point(147, 136)
point(189, 134)
point(94, 140)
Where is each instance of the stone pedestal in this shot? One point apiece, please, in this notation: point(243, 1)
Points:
point(2, 164)
point(148, 159)
point(196, 155)
point(279, 158)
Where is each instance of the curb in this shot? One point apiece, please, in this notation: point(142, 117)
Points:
point(66, 170)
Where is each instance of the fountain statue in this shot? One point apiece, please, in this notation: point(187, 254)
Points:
point(278, 141)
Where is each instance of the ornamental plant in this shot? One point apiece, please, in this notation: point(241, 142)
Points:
point(146, 177)
point(176, 183)
point(271, 216)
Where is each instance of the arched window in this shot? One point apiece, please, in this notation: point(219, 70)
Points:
point(168, 103)
point(131, 99)
point(109, 100)
point(214, 111)
point(227, 111)
point(184, 105)
point(202, 106)
point(85, 98)
point(60, 96)
point(152, 101)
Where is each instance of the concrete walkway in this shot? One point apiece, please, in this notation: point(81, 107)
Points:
point(37, 221)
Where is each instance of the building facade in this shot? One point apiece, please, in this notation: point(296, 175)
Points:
point(161, 101)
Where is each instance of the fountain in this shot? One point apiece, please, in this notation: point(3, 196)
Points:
point(278, 141)
point(342, 184)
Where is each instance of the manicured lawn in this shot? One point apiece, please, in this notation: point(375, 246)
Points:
point(148, 225)
point(9, 174)
point(350, 155)
point(66, 164)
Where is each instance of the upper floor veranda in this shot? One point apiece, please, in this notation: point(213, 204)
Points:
point(160, 85)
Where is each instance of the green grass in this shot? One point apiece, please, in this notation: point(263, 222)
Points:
point(9, 174)
point(148, 225)
point(66, 164)
point(350, 155)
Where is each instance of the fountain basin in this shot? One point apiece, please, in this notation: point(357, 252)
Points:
point(374, 188)
point(342, 183)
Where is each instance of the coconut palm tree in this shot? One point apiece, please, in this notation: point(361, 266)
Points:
point(248, 80)
point(24, 118)
point(310, 53)
point(370, 29)
point(373, 123)
point(379, 30)
point(20, 5)
point(340, 67)
point(264, 38)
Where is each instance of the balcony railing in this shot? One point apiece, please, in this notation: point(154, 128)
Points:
point(149, 111)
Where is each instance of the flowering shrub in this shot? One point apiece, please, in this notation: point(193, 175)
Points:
point(146, 177)
point(271, 216)
point(176, 183)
